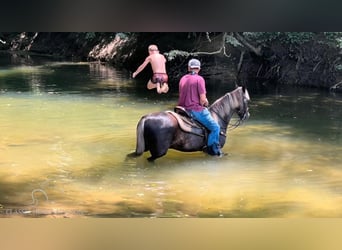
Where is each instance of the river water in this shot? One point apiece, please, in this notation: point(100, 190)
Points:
point(66, 128)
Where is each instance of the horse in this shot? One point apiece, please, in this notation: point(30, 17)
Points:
point(157, 132)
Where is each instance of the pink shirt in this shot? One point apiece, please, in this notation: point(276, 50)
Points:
point(190, 88)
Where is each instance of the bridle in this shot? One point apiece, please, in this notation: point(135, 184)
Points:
point(242, 117)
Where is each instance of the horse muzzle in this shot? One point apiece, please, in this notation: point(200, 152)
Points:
point(244, 116)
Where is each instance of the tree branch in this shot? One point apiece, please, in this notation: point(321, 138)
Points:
point(208, 37)
point(240, 61)
point(336, 86)
point(244, 42)
point(260, 67)
point(173, 53)
point(314, 68)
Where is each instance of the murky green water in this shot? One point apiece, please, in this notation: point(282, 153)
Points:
point(66, 127)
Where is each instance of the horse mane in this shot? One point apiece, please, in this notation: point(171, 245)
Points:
point(230, 99)
point(219, 105)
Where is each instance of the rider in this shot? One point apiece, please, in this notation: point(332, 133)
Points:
point(159, 78)
point(192, 96)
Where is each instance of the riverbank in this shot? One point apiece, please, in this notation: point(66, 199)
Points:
point(306, 66)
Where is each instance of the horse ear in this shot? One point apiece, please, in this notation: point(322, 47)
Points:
point(243, 85)
point(243, 88)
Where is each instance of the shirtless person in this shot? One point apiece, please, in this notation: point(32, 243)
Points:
point(159, 78)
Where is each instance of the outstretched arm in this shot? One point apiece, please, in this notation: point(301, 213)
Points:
point(141, 67)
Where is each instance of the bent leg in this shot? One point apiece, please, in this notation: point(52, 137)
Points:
point(151, 85)
point(158, 88)
point(205, 118)
point(164, 88)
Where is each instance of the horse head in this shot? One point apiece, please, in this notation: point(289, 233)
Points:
point(235, 101)
point(242, 105)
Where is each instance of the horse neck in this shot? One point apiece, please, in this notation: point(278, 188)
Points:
point(222, 111)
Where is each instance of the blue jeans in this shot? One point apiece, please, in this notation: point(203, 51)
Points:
point(205, 118)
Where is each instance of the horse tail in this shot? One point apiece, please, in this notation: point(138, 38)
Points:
point(140, 146)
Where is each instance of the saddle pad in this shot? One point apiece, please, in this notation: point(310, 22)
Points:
point(189, 125)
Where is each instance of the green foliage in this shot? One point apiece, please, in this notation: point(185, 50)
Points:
point(329, 39)
point(90, 35)
point(334, 38)
point(175, 53)
point(232, 41)
point(262, 37)
point(298, 37)
point(332, 35)
point(283, 37)
point(123, 35)
point(338, 67)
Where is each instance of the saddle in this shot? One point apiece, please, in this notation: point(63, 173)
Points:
point(187, 123)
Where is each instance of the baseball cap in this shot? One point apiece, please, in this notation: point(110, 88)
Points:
point(194, 63)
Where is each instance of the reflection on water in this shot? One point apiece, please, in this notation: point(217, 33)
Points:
point(66, 129)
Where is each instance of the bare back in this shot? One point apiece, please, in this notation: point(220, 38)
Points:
point(157, 63)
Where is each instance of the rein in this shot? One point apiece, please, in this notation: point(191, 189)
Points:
point(229, 126)
point(235, 125)
point(223, 133)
